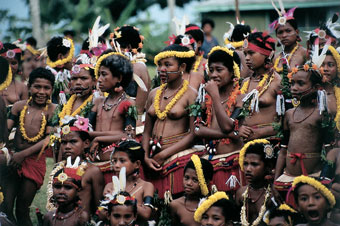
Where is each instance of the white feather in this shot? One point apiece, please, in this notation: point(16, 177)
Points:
point(282, 7)
point(140, 82)
point(68, 164)
point(115, 184)
point(229, 33)
point(122, 178)
point(277, 10)
point(76, 163)
point(96, 32)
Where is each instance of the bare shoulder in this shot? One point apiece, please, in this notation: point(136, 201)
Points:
point(152, 93)
point(192, 92)
point(18, 106)
point(48, 218)
point(83, 217)
point(239, 193)
point(51, 108)
point(98, 100)
point(277, 78)
point(177, 202)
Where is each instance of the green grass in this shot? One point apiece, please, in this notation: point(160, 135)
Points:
point(41, 196)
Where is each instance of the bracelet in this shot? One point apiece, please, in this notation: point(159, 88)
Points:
point(283, 146)
point(148, 202)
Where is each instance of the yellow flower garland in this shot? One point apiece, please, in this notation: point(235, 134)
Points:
point(8, 80)
point(284, 206)
point(208, 203)
point(42, 127)
point(234, 44)
point(62, 61)
point(171, 53)
point(278, 70)
point(32, 50)
point(103, 57)
point(246, 146)
point(197, 63)
point(1, 197)
point(336, 57)
point(257, 221)
point(168, 107)
point(337, 97)
point(199, 171)
point(259, 87)
point(67, 109)
point(236, 68)
point(317, 185)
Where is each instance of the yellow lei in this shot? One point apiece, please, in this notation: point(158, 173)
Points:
point(103, 57)
point(8, 80)
point(67, 109)
point(180, 93)
point(246, 146)
point(208, 203)
point(171, 53)
point(199, 171)
point(259, 87)
point(317, 185)
point(277, 69)
point(257, 221)
point(62, 61)
point(42, 127)
point(197, 63)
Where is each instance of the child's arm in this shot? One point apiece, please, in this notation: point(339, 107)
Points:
point(145, 209)
point(84, 217)
point(281, 160)
point(97, 184)
point(173, 212)
point(48, 219)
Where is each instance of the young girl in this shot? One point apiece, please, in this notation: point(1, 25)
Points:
point(216, 210)
point(197, 176)
point(12, 90)
point(66, 185)
point(282, 215)
point(256, 162)
point(287, 33)
point(26, 171)
point(168, 127)
point(314, 200)
point(130, 154)
point(222, 105)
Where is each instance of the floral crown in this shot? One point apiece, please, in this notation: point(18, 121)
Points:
point(172, 53)
point(283, 207)
point(268, 150)
point(103, 57)
point(200, 175)
point(68, 43)
point(336, 56)
point(283, 15)
point(81, 124)
point(236, 68)
point(205, 204)
point(71, 171)
point(317, 185)
point(227, 36)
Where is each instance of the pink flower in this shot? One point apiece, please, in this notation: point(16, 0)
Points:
point(82, 123)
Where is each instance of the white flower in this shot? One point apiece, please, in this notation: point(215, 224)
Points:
point(322, 34)
point(282, 20)
point(201, 201)
point(185, 41)
point(10, 54)
point(76, 69)
point(67, 119)
point(66, 43)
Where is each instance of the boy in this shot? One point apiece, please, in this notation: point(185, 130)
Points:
point(26, 170)
point(66, 185)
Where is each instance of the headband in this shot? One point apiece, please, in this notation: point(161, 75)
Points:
point(258, 49)
point(317, 185)
point(192, 28)
point(121, 199)
point(199, 171)
point(207, 203)
point(172, 53)
point(76, 68)
point(81, 124)
point(11, 53)
point(268, 150)
point(103, 57)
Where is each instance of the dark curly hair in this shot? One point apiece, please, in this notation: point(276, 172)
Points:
point(207, 168)
point(188, 61)
point(197, 34)
point(224, 58)
point(119, 66)
point(129, 37)
point(41, 73)
point(55, 47)
point(229, 209)
point(133, 149)
point(132, 203)
point(239, 32)
point(4, 66)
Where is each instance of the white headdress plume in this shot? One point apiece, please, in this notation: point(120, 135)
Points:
point(319, 58)
point(229, 33)
point(96, 32)
point(333, 26)
point(280, 12)
point(74, 165)
point(180, 25)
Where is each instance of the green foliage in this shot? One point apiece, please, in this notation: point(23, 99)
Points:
point(132, 112)
point(163, 209)
point(277, 126)
point(245, 109)
point(285, 83)
point(195, 110)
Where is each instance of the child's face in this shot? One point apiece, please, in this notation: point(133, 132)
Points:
point(41, 90)
point(286, 34)
point(121, 159)
point(64, 193)
point(13, 62)
point(300, 84)
point(122, 215)
point(82, 83)
point(312, 204)
point(254, 60)
point(106, 80)
point(213, 217)
point(220, 74)
point(330, 68)
point(254, 168)
point(190, 182)
point(278, 221)
point(72, 145)
point(167, 65)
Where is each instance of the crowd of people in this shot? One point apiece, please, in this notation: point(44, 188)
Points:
point(239, 134)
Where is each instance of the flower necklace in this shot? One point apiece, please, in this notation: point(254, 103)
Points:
point(64, 60)
point(67, 109)
point(230, 103)
point(277, 69)
point(168, 107)
point(197, 63)
point(244, 221)
point(8, 80)
point(42, 127)
point(260, 87)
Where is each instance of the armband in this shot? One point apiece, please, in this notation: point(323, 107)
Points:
point(13, 117)
point(283, 146)
point(148, 201)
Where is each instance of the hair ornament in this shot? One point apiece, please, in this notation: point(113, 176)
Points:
point(200, 175)
point(283, 15)
point(206, 203)
point(247, 145)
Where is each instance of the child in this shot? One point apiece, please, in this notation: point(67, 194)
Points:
point(26, 171)
point(116, 113)
point(307, 121)
point(66, 185)
point(130, 154)
point(283, 215)
point(122, 210)
point(197, 176)
point(75, 140)
point(216, 210)
point(314, 200)
point(256, 162)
